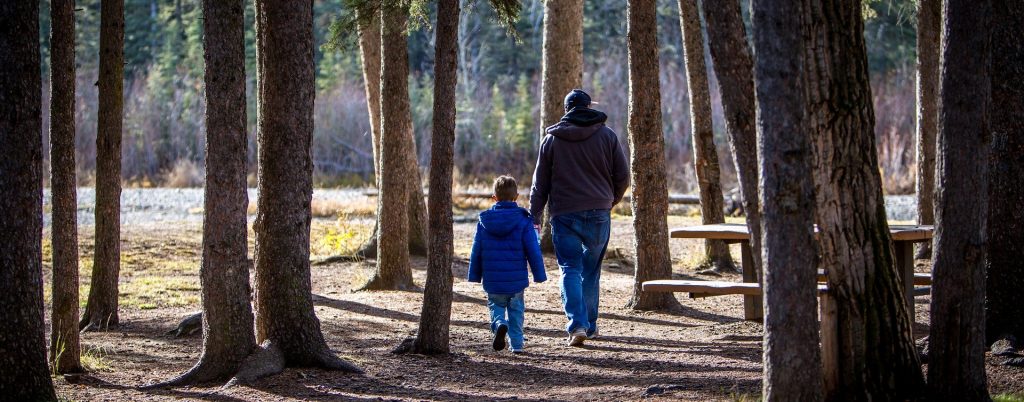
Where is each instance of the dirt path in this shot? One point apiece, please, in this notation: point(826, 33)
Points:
point(704, 351)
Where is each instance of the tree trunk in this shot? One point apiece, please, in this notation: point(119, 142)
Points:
point(929, 26)
point(65, 348)
point(370, 48)
point(792, 359)
point(23, 372)
point(562, 69)
point(393, 269)
point(734, 68)
point(435, 318)
point(1004, 302)
point(705, 155)
point(957, 338)
point(101, 308)
point(284, 308)
point(867, 345)
point(369, 52)
point(647, 148)
point(227, 314)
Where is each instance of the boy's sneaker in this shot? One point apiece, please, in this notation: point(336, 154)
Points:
point(577, 337)
point(594, 335)
point(499, 337)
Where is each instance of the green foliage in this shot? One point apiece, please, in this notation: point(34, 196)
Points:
point(1008, 398)
point(890, 33)
point(499, 75)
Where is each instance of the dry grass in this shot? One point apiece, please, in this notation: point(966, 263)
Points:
point(342, 237)
point(184, 174)
point(95, 360)
point(362, 208)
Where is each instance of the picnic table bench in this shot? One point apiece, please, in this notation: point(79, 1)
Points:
point(903, 236)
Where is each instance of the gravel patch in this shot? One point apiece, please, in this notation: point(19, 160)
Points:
point(142, 206)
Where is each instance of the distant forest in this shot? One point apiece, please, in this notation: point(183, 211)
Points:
point(498, 91)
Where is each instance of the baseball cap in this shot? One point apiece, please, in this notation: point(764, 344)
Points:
point(578, 98)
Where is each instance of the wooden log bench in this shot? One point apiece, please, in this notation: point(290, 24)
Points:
point(920, 279)
point(709, 288)
point(903, 236)
point(698, 289)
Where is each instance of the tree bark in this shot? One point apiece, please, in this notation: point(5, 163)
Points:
point(868, 349)
point(705, 154)
point(369, 52)
point(929, 27)
point(734, 68)
point(1004, 302)
point(65, 348)
point(792, 359)
point(284, 308)
point(227, 313)
point(101, 308)
point(393, 269)
point(417, 208)
point(647, 148)
point(435, 318)
point(23, 372)
point(562, 70)
point(956, 341)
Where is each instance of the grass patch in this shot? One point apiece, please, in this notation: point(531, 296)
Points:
point(343, 237)
point(1008, 398)
point(153, 291)
point(95, 359)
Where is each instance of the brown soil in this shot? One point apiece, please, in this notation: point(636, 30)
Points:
point(703, 351)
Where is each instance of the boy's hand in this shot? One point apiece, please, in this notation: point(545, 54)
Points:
point(536, 228)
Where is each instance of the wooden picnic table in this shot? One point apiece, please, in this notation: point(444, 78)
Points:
point(903, 236)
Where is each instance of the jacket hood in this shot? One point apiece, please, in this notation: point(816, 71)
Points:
point(578, 124)
point(503, 218)
point(582, 116)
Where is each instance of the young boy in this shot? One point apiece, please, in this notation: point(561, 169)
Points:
point(505, 241)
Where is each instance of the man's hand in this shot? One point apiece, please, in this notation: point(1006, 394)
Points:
point(536, 228)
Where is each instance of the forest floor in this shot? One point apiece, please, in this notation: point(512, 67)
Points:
point(701, 351)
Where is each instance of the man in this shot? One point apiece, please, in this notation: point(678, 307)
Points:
point(581, 173)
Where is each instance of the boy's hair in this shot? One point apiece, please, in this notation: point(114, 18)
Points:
point(505, 188)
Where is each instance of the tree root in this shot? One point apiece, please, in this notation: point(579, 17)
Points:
point(714, 267)
point(922, 349)
point(368, 250)
point(266, 360)
point(1008, 346)
point(204, 372)
point(378, 283)
point(87, 324)
point(329, 361)
point(409, 345)
point(338, 258)
point(188, 326)
point(653, 302)
point(620, 256)
point(924, 251)
point(405, 347)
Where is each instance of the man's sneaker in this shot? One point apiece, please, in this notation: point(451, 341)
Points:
point(594, 335)
point(499, 337)
point(577, 337)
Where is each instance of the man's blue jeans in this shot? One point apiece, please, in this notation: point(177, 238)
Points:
point(580, 241)
point(508, 310)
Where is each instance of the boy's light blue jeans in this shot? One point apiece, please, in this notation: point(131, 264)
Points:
point(508, 310)
point(580, 240)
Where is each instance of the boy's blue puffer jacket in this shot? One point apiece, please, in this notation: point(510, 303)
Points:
point(505, 241)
